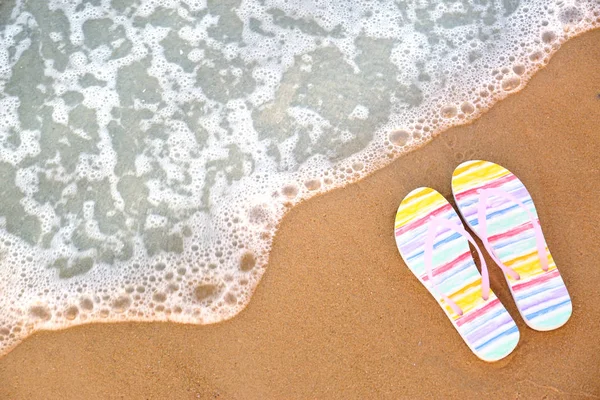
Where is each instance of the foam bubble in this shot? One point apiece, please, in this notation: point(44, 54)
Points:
point(511, 83)
point(448, 111)
point(467, 108)
point(313, 184)
point(205, 291)
point(399, 138)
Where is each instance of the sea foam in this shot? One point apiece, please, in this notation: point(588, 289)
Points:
point(148, 149)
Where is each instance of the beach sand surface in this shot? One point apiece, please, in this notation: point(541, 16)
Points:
point(339, 316)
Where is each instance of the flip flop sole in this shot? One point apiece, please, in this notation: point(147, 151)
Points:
point(485, 325)
point(541, 296)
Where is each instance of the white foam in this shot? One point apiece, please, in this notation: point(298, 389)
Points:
point(148, 151)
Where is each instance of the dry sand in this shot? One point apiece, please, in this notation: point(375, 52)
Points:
point(338, 315)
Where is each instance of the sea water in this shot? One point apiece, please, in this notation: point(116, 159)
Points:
point(149, 148)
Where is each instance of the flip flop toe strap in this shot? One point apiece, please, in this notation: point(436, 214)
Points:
point(484, 195)
point(434, 224)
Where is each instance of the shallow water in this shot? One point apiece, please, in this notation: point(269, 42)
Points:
point(148, 149)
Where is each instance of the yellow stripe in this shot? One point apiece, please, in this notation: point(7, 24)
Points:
point(467, 166)
point(529, 265)
point(475, 174)
point(467, 298)
point(465, 295)
point(417, 205)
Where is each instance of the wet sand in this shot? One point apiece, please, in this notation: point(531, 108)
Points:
point(338, 315)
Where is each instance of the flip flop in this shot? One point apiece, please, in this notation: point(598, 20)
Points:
point(498, 208)
point(435, 246)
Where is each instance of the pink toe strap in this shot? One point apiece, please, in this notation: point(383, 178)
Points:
point(434, 224)
point(484, 195)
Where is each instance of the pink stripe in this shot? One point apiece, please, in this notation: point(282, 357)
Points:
point(536, 281)
point(448, 266)
point(419, 222)
point(471, 316)
point(492, 184)
point(512, 232)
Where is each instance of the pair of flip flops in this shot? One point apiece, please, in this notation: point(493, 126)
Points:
point(434, 245)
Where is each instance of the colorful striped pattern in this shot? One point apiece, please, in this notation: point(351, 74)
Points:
point(485, 325)
point(541, 296)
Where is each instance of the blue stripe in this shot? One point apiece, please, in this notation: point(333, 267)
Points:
point(547, 310)
point(506, 332)
point(490, 216)
point(449, 239)
point(514, 239)
point(467, 274)
point(457, 270)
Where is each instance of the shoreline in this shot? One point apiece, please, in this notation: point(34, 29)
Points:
point(338, 315)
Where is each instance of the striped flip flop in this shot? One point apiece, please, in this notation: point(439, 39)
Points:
point(435, 246)
point(498, 208)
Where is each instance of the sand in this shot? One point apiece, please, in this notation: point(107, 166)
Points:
point(338, 315)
